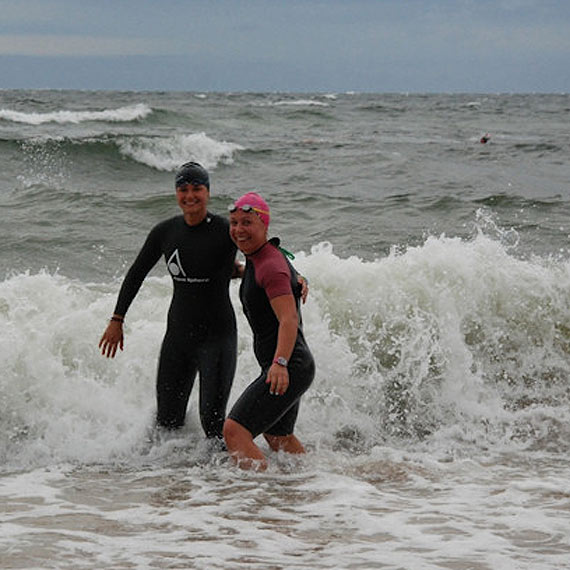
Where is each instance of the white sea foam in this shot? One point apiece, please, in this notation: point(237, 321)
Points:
point(121, 114)
point(430, 442)
point(446, 334)
point(451, 344)
point(170, 153)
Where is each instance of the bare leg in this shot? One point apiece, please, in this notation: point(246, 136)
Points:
point(242, 448)
point(287, 443)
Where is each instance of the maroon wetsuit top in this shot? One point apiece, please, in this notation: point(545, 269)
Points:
point(267, 275)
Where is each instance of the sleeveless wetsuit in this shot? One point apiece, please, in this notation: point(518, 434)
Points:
point(268, 275)
point(201, 328)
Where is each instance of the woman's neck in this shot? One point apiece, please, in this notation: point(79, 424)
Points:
point(195, 219)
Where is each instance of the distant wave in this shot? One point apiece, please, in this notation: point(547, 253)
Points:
point(170, 153)
point(161, 153)
point(122, 114)
point(301, 103)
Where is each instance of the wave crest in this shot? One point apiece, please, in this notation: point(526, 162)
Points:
point(300, 103)
point(451, 346)
point(451, 333)
point(169, 154)
point(122, 114)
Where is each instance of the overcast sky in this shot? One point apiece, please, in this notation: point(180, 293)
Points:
point(287, 45)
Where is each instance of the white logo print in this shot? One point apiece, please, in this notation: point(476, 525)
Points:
point(174, 265)
point(177, 271)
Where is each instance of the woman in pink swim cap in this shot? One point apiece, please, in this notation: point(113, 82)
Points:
point(270, 295)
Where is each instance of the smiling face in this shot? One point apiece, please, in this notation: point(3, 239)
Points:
point(247, 231)
point(193, 201)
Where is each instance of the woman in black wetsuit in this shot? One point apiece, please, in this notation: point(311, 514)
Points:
point(270, 298)
point(201, 330)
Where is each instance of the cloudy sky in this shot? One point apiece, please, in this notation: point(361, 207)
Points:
point(287, 45)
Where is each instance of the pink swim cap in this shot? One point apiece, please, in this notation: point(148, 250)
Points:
point(253, 201)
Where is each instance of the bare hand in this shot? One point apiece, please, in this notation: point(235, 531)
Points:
point(111, 339)
point(239, 268)
point(278, 379)
point(304, 288)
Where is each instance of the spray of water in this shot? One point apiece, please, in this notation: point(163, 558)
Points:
point(451, 341)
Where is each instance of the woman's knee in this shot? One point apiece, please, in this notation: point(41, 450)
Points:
point(234, 433)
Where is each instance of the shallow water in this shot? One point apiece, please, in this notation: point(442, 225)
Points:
point(377, 511)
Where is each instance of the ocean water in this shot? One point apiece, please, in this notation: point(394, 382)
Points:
point(438, 425)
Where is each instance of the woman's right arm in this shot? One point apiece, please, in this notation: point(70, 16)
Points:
point(113, 336)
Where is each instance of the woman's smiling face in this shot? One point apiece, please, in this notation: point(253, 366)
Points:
point(193, 199)
point(247, 231)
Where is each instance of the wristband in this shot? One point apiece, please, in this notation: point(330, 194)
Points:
point(117, 319)
point(281, 361)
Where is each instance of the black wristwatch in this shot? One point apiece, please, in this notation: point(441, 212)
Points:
point(281, 361)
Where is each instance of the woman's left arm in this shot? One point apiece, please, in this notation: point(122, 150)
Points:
point(285, 310)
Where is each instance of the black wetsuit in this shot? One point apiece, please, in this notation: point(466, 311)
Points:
point(201, 330)
point(267, 275)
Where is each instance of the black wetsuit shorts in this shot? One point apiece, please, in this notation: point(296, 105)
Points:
point(261, 412)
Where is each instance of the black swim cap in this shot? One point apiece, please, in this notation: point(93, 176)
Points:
point(192, 173)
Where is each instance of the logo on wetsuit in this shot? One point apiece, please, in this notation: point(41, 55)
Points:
point(177, 271)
